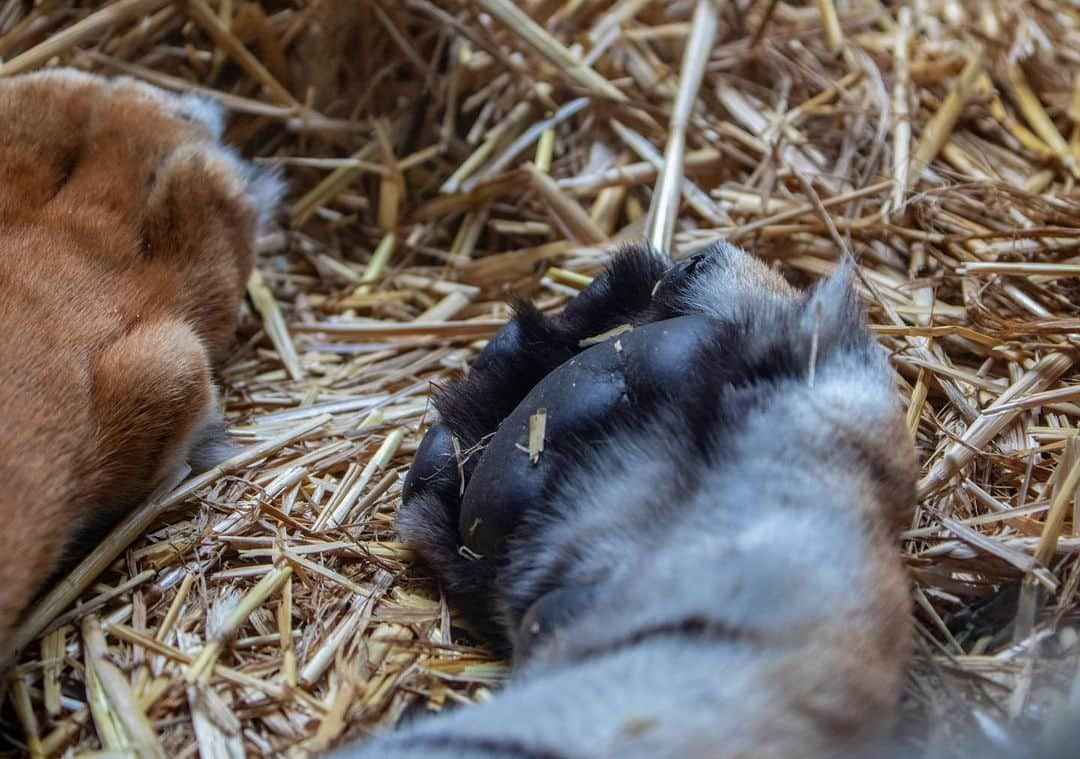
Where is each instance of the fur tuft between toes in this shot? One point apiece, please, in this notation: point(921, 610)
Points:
point(424, 524)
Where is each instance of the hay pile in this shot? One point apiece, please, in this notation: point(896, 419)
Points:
point(444, 154)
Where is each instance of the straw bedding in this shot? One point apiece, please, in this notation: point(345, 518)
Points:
point(444, 155)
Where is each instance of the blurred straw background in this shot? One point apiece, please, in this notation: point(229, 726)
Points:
point(442, 155)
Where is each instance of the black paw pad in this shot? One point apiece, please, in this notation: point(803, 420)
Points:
point(550, 613)
point(606, 384)
point(435, 468)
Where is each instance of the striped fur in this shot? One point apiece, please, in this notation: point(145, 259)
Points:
point(706, 566)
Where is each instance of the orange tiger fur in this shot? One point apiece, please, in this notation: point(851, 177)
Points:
point(126, 238)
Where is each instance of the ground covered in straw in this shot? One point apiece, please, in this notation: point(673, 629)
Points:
point(443, 155)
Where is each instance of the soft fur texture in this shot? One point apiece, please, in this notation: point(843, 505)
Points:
point(709, 567)
point(126, 239)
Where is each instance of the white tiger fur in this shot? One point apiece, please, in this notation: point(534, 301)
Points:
point(744, 600)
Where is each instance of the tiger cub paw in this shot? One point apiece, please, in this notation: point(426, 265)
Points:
point(539, 388)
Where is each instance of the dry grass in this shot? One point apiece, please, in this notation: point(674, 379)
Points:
point(442, 155)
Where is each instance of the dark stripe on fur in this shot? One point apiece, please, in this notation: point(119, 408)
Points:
point(477, 746)
point(697, 629)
